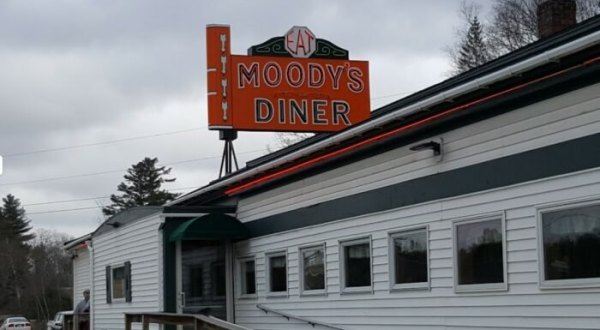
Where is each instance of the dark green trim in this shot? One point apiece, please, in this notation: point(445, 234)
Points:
point(276, 47)
point(562, 158)
point(169, 263)
point(210, 227)
point(200, 209)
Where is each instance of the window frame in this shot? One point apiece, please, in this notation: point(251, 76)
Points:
point(342, 259)
point(268, 256)
point(241, 283)
point(127, 283)
point(303, 292)
point(593, 282)
point(483, 287)
point(392, 260)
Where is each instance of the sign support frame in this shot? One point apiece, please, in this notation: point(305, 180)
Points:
point(228, 159)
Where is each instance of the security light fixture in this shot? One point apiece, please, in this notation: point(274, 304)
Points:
point(432, 145)
point(114, 224)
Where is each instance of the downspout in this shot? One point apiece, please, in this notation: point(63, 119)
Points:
point(90, 247)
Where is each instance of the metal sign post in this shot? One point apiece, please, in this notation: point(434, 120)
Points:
point(229, 158)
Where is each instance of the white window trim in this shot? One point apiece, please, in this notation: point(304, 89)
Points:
point(239, 270)
point(112, 281)
point(268, 257)
point(348, 242)
point(392, 260)
point(485, 287)
point(561, 284)
point(303, 292)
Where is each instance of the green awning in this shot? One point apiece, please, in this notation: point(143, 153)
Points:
point(210, 227)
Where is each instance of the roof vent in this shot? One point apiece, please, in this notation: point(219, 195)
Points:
point(555, 16)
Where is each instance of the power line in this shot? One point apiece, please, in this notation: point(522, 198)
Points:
point(77, 146)
point(80, 208)
point(140, 137)
point(67, 201)
point(389, 95)
point(113, 171)
point(91, 198)
point(64, 210)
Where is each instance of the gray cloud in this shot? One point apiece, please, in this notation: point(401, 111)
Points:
point(75, 73)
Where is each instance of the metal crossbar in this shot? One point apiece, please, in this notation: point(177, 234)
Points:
point(288, 316)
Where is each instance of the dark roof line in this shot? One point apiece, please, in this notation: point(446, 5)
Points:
point(499, 63)
point(505, 62)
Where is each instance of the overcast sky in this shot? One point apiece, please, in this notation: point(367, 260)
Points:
point(88, 88)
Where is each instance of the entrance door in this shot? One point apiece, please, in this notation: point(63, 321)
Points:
point(203, 278)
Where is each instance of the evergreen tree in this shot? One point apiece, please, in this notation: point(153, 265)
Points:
point(14, 225)
point(14, 233)
point(141, 187)
point(473, 50)
point(511, 25)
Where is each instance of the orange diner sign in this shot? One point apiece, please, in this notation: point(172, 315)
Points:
point(296, 83)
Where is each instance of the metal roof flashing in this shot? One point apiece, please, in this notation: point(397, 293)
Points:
point(585, 35)
point(127, 216)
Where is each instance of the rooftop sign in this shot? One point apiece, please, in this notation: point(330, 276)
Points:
point(296, 82)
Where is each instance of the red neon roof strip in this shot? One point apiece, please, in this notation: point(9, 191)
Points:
point(258, 181)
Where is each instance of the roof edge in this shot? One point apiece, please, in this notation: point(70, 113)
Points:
point(475, 84)
point(74, 242)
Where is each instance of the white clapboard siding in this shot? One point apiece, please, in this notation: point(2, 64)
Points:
point(523, 306)
point(140, 243)
point(81, 274)
point(555, 120)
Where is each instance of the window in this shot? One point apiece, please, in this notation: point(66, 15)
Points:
point(277, 273)
point(479, 255)
point(356, 265)
point(247, 267)
point(219, 279)
point(118, 282)
point(312, 270)
point(195, 279)
point(409, 259)
point(570, 239)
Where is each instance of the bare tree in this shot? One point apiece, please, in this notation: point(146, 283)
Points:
point(512, 24)
point(50, 276)
point(469, 13)
point(283, 140)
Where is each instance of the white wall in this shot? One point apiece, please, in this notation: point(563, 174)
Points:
point(139, 243)
point(523, 306)
point(555, 120)
point(81, 274)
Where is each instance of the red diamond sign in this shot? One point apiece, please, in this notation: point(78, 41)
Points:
point(300, 42)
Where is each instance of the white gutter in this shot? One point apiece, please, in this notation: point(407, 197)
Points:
point(90, 246)
point(515, 69)
point(77, 241)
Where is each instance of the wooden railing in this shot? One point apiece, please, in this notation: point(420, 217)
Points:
point(72, 321)
point(198, 321)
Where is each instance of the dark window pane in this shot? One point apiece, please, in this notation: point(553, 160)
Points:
point(196, 282)
point(314, 270)
point(410, 250)
point(118, 282)
point(572, 243)
point(479, 252)
point(278, 274)
point(358, 265)
point(219, 279)
point(203, 287)
point(249, 277)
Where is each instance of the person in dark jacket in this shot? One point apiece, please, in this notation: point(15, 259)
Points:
point(82, 310)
